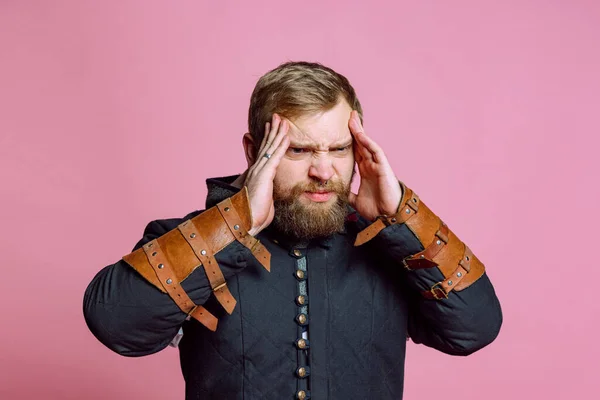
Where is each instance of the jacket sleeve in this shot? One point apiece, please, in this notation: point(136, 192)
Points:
point(131, 310)
point(453, 305)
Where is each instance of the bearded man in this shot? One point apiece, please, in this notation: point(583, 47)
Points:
point(315, 288)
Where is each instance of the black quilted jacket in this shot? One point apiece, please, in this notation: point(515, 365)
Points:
point(362, 306)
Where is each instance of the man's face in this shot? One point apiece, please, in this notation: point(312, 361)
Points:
point(313, 179)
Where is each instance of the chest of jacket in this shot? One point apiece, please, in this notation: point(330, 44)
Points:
point(356, 320)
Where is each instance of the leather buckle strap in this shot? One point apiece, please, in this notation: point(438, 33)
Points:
point(464, 267)
point(211, 267)
point(369, 232)
point(234, 222)
point(441, 289)
point(435, 293)
point(465, 262)
point(424, 259)
point(413, 201)
point(167, 278)
point(204, 316)
point(409, 206)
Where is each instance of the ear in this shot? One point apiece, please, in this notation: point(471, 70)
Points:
point(250, 149)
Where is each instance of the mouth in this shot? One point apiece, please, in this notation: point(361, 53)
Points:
point(320, 196)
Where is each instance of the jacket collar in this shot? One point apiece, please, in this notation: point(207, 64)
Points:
point(220, 189)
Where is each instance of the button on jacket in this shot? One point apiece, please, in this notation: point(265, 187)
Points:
point(330, 321)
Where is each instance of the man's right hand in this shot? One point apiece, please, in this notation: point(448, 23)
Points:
point(259, 177)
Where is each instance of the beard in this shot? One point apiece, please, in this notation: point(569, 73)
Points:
point(302, 221)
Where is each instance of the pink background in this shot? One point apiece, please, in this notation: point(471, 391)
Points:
point(113, 114)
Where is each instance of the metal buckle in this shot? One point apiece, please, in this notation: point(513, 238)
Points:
point(383, 218)
point(433, 292)
point(405, 264)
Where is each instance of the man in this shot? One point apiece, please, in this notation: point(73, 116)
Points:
point(351, 275)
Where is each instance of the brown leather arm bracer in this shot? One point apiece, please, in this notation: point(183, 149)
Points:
point(167, 261)
point(442, 248)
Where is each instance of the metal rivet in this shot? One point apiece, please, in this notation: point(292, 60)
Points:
point(467, 258)
point(414, 200)
point(154, 254)
point(236, 227)
point(301, 372)
point(301, 343)
point(302, 318)
point(301, 395)
point(192, 235)
point(393, 219)
point(203, 252)
point(449, 283)
point(226, 208)
point(300, 300)
point(300, 274)
point(439, 242)
point(169, 281)
point(297, 253)
point(422, 255)
point(160, 266)
point(408, 210)
point(459, 274)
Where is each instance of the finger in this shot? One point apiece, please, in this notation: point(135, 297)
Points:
point(265, 137)
point(281, 134)
point(358, 157)
point(354, 122)
point(362, 151)
point(283, 130)
point(274, 127)
point(273, 162)
point(357, 133)
point(363, 139)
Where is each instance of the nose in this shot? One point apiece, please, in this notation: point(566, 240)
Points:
point(321, 168)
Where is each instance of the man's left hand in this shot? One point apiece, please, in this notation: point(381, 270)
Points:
point(379, 192)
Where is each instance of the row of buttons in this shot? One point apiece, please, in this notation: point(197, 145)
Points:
point(302, 343)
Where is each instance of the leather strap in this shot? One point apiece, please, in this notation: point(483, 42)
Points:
point(441, 289)
point(464, 267)
point(442, 248)
point(409, 206)
point(234, 222)
point(204, 316)
point(215, 232)
point(369, 232)
point(194, 243)
point(424, 259)
point(435, 293)
point(171, 285)
point(211, 267)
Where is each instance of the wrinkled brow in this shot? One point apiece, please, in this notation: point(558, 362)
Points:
point(314, 146)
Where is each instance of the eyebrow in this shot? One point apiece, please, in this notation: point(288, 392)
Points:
point(312, 146)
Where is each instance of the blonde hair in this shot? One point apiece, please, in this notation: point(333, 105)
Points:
point(296, 88)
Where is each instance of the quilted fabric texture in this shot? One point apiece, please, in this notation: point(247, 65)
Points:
point(362, 305)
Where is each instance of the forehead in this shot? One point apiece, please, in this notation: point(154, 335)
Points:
point(322, 129)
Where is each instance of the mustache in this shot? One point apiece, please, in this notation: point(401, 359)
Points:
point(335, 186)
